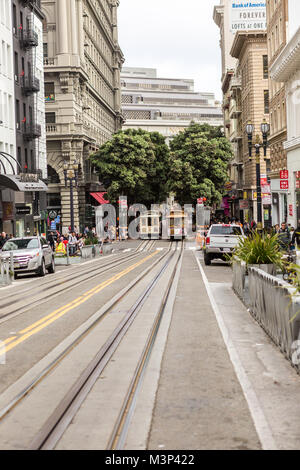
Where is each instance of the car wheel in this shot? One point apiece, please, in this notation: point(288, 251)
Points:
point(42, 270)
point(51, 268)
point(207, 260)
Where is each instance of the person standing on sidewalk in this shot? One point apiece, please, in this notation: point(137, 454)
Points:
point(72, 243)
point(51, 241)
point(296, 235)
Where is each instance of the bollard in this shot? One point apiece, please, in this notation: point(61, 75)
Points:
point(68, 255)
point(12, 264)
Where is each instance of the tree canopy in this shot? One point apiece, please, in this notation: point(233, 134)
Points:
point(134, 163)
point(198, 164)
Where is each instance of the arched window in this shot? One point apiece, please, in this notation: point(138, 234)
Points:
point(53, 177)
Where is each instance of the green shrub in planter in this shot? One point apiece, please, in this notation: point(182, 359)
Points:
point(91, 241)
point(259, 249)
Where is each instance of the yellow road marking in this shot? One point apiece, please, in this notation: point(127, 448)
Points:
point(56, 314)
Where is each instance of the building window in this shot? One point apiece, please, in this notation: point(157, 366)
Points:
point(266, 101)
point(265, 67)
point(49, 92)
point(50, 118)
point(45, 50)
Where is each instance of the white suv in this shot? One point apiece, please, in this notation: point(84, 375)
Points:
point(220, 241)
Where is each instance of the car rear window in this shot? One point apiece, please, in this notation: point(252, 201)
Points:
point(225, 230)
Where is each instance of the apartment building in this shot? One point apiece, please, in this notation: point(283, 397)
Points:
point(277, 20)
point(286, 69)
point(7, 115)
point(250, 48)
point(22, 127)
point(82, 62)
point(244, 84)
point(165, 105)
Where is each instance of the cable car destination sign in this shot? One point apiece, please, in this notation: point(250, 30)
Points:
point(248, 16)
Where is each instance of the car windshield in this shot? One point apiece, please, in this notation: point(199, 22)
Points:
point(225, 230)
point(21, 244)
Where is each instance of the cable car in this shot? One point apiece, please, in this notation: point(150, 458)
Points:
point(177, 222)
point(150, 224)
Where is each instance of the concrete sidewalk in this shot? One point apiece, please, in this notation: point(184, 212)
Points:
point(200, 403)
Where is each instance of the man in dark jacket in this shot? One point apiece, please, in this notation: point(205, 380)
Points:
point(296, 235)
point(284, 237)
point(51, 241)
point(3, 239)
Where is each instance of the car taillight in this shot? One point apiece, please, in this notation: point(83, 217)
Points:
point(207, 240)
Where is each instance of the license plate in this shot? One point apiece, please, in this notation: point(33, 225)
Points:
point(227, 250)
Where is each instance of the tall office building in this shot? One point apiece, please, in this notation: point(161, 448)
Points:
point(165, 105)
point(82, 62)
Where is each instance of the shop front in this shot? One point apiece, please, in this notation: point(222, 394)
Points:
point(20, 209)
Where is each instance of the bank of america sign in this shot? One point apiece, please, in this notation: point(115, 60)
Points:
point(248, 16)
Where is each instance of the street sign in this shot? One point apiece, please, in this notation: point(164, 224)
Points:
point(200, 200)
point(284, 175)
point(291, 211)
point(284, 184)
point(53, 225)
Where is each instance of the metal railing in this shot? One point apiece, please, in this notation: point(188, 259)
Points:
point(30, 85)
point(6, 270)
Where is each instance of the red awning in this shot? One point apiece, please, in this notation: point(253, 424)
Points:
point(99, 197)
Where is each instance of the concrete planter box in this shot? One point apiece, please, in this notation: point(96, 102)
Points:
point(239, 271)
point(6, 275)
point(64, 261)
point(273, 303)
point(107, 248)
point(87, 251)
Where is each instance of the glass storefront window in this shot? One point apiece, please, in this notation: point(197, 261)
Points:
point(20, 228)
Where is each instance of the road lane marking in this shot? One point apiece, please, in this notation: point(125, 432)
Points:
point(39, 325)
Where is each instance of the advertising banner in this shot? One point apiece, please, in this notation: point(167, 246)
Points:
point(248, 16)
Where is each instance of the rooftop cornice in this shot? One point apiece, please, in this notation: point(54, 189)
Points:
point(288, 62)
point(242, 36)
point(218, 14)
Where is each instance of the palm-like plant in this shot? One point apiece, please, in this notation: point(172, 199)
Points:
point(259, 249)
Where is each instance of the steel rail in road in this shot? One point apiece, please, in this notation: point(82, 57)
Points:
point(118, 436)
point(58, 422)
point(102, 314)
point(60, 274)
point(92, 273)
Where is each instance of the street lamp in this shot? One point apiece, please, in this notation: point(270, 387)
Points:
point(71, 175)
point(265, 128)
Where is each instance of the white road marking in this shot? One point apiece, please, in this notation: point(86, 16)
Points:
point(260, 422)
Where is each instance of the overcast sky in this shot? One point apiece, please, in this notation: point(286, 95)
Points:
point(177, 37)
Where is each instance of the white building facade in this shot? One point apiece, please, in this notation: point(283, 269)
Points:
point(164, 105)
point(7, 112)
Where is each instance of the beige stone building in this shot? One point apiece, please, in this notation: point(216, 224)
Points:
point(82, 61)
point(250, 48)
point(277, 18)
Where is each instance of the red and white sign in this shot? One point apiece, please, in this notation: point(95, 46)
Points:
point(291, 212)
point(200, 200)
point(284, 175)
point(263, 181)
point(266, 188)
point(284, 184)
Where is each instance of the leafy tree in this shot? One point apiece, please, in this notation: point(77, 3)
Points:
point(199, 163)
point(134, 163)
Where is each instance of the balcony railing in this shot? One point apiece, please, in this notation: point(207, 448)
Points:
point(31, 131)
point(28, 38)
point(30, 85)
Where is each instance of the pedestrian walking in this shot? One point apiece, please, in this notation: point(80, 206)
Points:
point(51, 241)
point(284, 237)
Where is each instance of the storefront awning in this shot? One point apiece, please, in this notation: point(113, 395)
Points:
point(21, 183)
point(99, 198)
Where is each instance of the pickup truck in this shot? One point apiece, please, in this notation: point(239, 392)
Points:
point(220, 241)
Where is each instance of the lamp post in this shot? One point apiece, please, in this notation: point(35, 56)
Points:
point(71, 175)
point(265, 128)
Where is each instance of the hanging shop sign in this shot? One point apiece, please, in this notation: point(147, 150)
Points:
point(284, 174)
point(284, 184)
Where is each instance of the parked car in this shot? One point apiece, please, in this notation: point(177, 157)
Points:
point(220, 241)
point(30, 255)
